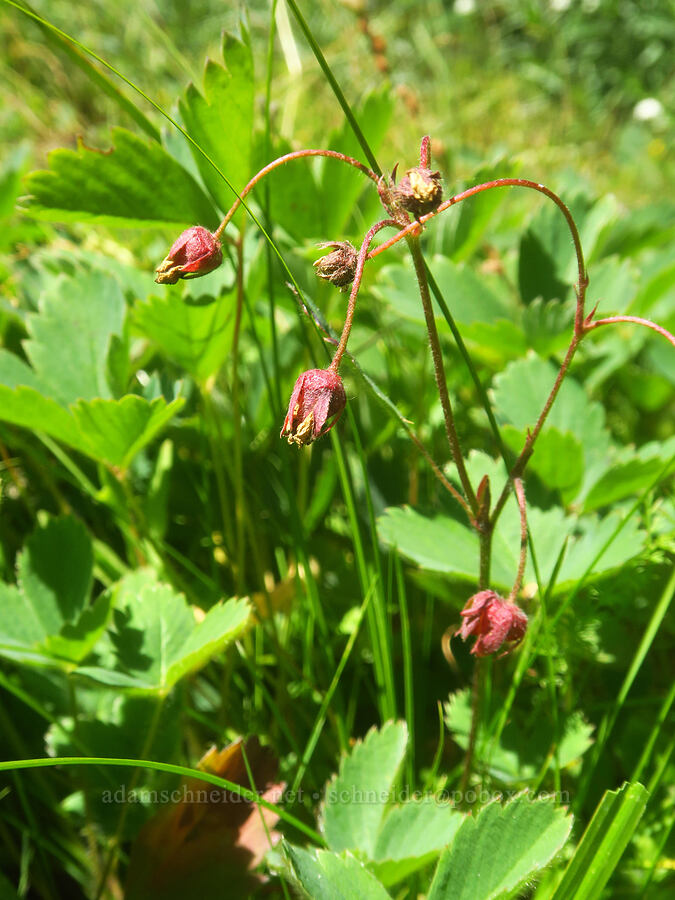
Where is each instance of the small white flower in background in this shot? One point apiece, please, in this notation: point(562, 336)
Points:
point(648, 109)
point(560, 5)
point(464, 7)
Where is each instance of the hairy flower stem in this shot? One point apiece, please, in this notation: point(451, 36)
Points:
point(635, 320)
point(358, 275)
point(439, 371)
point(522, 508)
point(282, 160)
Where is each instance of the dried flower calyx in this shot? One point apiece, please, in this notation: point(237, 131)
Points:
point(339, 266)
point(195, 253)
point(317, 402)
point(419, 191)
point(494, 622)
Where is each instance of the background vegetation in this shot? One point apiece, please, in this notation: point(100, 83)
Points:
point(354, 560)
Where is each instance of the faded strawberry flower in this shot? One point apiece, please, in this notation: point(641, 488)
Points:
point(419, 191)
point(493, 621)
point(195, 253)
point(317, 402)
point(338, 267)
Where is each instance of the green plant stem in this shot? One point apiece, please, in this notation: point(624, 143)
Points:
point(213, 430)
point(328, 696)
point(609, 720)
point(439, 371)
point(171, 769)
point(337, 90)
point(476, 703)
point(263, 820)
point(408, 684)
point(382, 664)
point(239, 511)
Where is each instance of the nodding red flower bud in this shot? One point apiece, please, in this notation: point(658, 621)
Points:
point(419, 191)
point(195, 253)
point(494, 621)
point(338, 267)
point(317, 402)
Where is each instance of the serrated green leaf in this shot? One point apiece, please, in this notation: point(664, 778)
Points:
point(156, 639)
point(602, 844)
point(411, 837)
point(496, 851)
point(441, 544)
point(221, 625)
point(136, 183)
point(471, 299)
point(114, 431)
point(519, 394)
point(197, 338)
point(558, 457)
point(523, 748)
point(45, 620)
point(110, 431)
point(221, 120)
point(357, 797)
point(66, 393)
point(28, 408)
point(537, 272)
point(70, 336)
point(55, 573)
point(328, 876)
point(547, 326)
point(633, 474)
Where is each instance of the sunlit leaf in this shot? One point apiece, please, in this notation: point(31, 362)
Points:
point(330, 876)
point(498, 850)
point(221, 119)
point(134, 183)
point(356, 798)
point(156, 638)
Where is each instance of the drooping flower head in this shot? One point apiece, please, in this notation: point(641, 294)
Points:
point(493, 621)
point(339, 266)
point(317, 402)
point(195, 253)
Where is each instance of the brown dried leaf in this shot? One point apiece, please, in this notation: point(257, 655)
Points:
point(207, 839)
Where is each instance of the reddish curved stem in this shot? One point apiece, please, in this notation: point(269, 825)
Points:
point(358, 274)
point(636, 320)
point(282, 160)
point(522, 508)
point(488, 185)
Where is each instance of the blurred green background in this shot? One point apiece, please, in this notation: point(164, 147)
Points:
point(585, 85)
